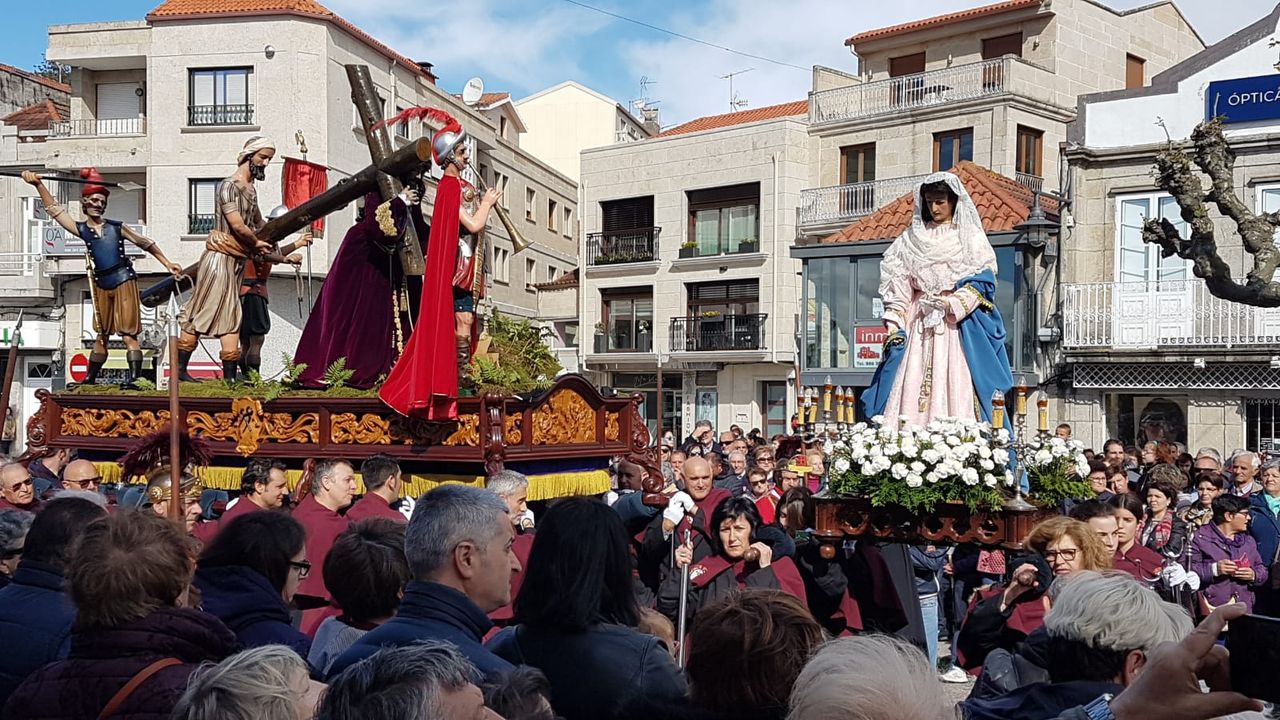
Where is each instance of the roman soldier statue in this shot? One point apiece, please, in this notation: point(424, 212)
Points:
point(114, 288)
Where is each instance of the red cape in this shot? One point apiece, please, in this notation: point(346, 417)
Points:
point(424, 381)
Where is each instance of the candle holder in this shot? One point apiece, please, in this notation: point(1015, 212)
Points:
point(1017, 444)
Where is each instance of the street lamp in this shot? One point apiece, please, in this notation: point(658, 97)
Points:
point(1038, 229)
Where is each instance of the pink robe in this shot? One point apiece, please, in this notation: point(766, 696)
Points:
point(924, 389)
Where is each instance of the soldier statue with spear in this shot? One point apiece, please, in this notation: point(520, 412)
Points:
point(113, 283)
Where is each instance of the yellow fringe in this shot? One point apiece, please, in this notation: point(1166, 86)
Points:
point(541, 487)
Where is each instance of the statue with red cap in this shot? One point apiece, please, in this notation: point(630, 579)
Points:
point(116, 307)
point(424, 381)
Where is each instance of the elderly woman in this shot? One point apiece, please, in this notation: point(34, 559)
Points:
point(1004, 616)
point(1264, 528)
point(1209, 485)
point(869, 677)
point(13, 531)
point(1226, 557)
point(740, 558)
point(264, 683)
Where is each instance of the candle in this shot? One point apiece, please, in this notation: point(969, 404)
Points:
point(813, 414)
point(1020, 397)
point(997, 410)
point(839, 406)
point(1043, 406)
point(826, 395)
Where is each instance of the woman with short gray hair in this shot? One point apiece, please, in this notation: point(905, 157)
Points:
point(270, 682)
point(13, 534)
point(868, 677)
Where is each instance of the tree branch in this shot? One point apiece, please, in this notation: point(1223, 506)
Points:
point(1176, 175)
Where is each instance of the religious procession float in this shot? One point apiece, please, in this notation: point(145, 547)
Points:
point(377, 370)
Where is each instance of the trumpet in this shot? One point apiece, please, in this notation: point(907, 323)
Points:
point(517, 240)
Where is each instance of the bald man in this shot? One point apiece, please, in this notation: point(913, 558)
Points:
point(81, 475)
point(655, 553)
point(17, 491)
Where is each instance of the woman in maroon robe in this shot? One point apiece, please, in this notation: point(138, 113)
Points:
point(363, 312)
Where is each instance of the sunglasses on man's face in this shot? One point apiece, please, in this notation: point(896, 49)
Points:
point(86, 482)
point(25, 483)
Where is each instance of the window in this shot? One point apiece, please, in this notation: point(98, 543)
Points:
point(500, 182)
point(628, 214)
point(502, 127)
point(773, 406)
point(531, 205)
point(1139, 262)
point(567, 224)
point(628, 319)
point(402, 127)
point(1030, 152)
point(736, 297)
point(906, 65)
point(998, 47)
point(1135, 71)
point(858, 163)
point(553, 215)
point(501, 265)
point(202, 205)
point(951, 148)
point(570, 334)
point(382, 114)
point(530, 273)
point(722, 316)
point(552, 272)
point(726, 219)
point(219, 96)
point(909, 89)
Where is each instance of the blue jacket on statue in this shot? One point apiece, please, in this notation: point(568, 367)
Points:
point(35, 617)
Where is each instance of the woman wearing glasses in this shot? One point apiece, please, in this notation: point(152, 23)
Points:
point(1006, 616)
point(1226, 557)
point(248, 575)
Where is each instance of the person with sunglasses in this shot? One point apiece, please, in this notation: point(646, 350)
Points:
point(17, 489)
point(248, 575)
point(81, 475)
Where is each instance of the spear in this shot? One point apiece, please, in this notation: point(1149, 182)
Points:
point(10, 365)
point(126, 186)
point(176, 511)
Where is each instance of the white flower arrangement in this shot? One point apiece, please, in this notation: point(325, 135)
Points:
point(948, 460)
point(1057, 470)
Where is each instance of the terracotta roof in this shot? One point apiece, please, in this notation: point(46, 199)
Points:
point(51, 84)
point(969, 14)
point(488, 99)
point(1001, 201)
point(197, 9)
point(34, 117)
point(568, 279)
point(711, 122)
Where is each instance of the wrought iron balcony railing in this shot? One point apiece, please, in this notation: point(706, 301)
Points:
point(198, 115)
point(718, 332)
point(200, 224)
point(106, 127)
point(616, 247)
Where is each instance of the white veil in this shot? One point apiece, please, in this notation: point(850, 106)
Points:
point(937, 261)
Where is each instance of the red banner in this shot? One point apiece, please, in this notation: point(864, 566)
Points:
point(302, 181)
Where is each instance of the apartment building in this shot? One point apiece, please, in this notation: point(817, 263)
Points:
point(154, 102)
point(1147, 351)
point(566, 119)
point(990, 90)
point(685, 276)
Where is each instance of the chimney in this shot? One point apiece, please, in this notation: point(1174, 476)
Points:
point(650, 115)
point(428, 68)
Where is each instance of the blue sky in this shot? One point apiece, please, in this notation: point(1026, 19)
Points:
point(523, 46)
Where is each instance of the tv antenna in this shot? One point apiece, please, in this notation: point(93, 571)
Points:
point(735, 103)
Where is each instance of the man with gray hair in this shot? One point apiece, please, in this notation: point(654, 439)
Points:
point(458, 544)
point(422, 681)
point(513, 488)
point(1100, 629)
point(333, 484)
point(1243, 468)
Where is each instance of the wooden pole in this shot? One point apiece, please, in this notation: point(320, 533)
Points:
point(176, 511)
point(369, 108)
point(10, 366)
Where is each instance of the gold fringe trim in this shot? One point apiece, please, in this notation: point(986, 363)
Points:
point(541, 487)
point(386, 223)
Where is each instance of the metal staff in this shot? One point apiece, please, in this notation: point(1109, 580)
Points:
point(176, 511)
point(682, 613)
point(126, 186)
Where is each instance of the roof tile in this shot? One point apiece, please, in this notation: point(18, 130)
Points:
point(34, 118)
point(1002, 203)
point(712, 122)
point(189, 9)
point(47, 82)
point(914, 25)
point(568, 279)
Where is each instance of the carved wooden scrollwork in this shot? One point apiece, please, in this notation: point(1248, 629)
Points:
point(495, 452)
point(94, 422)
point(367, 429)
point(564, 419)
point(640, 438)
point(612, 427)
point(286, 428)
point(855, 517)
point(467, 433)
point(38, 425)
point(512, 433)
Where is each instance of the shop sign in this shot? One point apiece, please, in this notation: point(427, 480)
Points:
point(868, 346)
point(1244, 99)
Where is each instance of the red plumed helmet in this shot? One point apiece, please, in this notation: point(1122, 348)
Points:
point(444, 141)
point(94, 186)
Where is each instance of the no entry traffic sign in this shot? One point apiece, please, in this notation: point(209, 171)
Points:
point(78, 368)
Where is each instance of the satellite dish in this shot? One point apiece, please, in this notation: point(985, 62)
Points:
point(472, 92)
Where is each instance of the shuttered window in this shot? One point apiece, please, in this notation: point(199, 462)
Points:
point(906, 65)
point(201, 205)
point(628, 214)
point(118, 101)
point(998, 47)
point(1135, 72)
point(736, 297)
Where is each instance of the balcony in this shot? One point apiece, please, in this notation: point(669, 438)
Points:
point(718, 333)
point(934, 88)
point(18, 263)
point(200, 224)
point(617, 247)
point(106, 127)
point(1163, 315)
point(1034, 183)
point(213, 115)
point(833, 207)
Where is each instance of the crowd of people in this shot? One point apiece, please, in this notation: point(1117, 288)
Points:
point(696, 588)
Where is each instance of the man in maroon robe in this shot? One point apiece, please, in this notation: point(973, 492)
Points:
point(263, 486)
point(424, 381)
point(382, 482)
point(364, 310)
point(333, 484)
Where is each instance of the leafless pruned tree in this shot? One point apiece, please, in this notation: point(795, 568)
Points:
point(1176, 173)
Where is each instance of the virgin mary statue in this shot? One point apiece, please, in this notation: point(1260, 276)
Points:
point(945, 354)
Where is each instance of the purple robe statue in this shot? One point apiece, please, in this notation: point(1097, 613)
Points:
point(355, 316)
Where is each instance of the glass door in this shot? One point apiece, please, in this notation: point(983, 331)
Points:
point(1152, 298)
